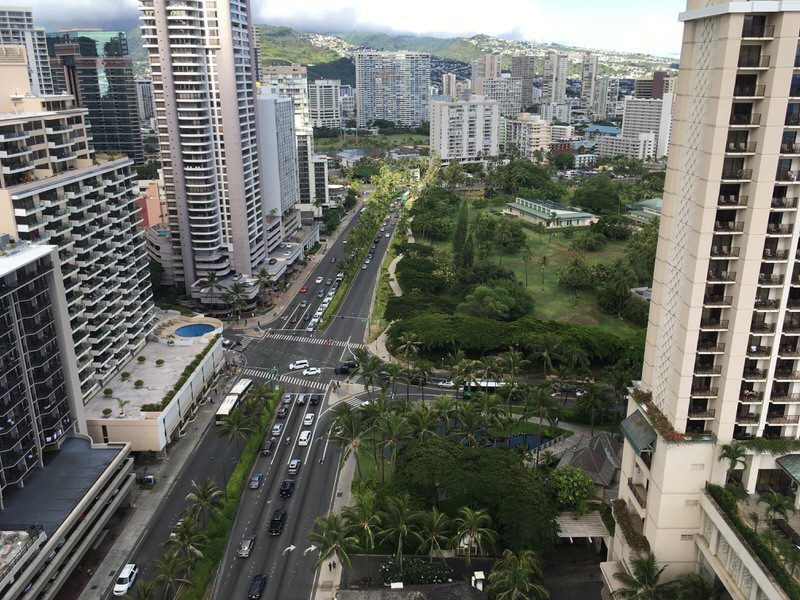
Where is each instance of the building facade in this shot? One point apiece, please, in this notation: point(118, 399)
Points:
point(449, 81)
point(95, 68)
point(721, 354)
point(588, 79)
point(324, 108)
point(524, 67)
point(392, 86)
point(487, 65)
point(17, 29)
point(529, 135)
point(204, 92)
point(144, 100)
point(465, 131)
point(606, 96)
point(646, 125)
point(554, 80)
point(506, 91)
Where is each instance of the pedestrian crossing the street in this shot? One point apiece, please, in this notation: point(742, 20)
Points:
point(312, 340)
point(298, 381)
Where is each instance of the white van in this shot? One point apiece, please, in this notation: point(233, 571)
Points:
point(305, 438)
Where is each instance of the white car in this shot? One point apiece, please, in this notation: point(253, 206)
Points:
point(125, 579)
point(312, 371)
point(300, 364)
point(308, 420)
point(305, 438)
point(319, 280)
point(447, 384)
point(386, 235)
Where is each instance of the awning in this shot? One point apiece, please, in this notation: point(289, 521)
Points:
point(584, 526)
point(791, 464)
point(639, 432)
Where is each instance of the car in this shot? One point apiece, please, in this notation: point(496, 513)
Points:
point(306, 317)
point(314, 399)
point(328, 281)
point(418, 380)
point(308, 419)
point(293, 320)
point(303, 303)
point(277, 430)
point(294, 466)
point(257, 587)
point(267, 447)
point(298, 364)
point(319, 280)
point(386, 235)
point(301, 399)
point(311, 327)
point(352, 255)
point(321, 294)
point(311, 371)
point(287, 487)
point(273, 261)
point(446, 383)
point(364, 266)
point(173, 533)
point(226, 343)
point(340, 276)
point(304, 289)
point(318, 314)
point(246, 546)
point(256, 480)
point(305, 438)
point(368, 260)
point(287, 253)
point(277, 522)
point(342, 370)
point(125, 579)
point(383, 229)
point(286, 398)
point(282, 412)
point(351, 363)
point(333, 259)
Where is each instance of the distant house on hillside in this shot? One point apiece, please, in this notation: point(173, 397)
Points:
point(550, 214)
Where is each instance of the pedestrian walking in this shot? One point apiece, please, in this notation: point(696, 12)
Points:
point(334, 564)
point(330, 568)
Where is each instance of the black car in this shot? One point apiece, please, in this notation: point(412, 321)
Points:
point(287, 487)
point(351, 363)
point(315, 399)
point(283, 410)
point(257, 587)
point(268, 447)
point(342, 370)
point(277, 522)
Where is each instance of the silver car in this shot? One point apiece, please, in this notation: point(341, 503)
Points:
point(246, 546)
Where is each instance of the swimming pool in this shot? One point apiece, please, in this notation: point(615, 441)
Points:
point(194, 330)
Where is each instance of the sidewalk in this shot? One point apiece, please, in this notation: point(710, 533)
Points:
point(145, 503)
point(396, 289)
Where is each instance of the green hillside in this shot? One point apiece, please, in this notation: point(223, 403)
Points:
point(342, 69)
point(454, 48)
point(280, 45)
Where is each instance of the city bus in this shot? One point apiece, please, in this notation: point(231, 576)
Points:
point(232, 400)
point(482, 385)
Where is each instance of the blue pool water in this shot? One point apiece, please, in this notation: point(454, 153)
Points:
point(194, 330)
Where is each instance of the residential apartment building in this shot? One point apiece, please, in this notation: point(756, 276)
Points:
point(606, 96)
point(645, 133)
point(392, 86)
point(290, 81)
point(721, 356)
point(524, 67)
point(465, 131)
point(652, 87)
point(95, 68)
point(529, 135)
point(17, 29)
point(554, 80)
point(555, 113)
point(144, 100)
point(506, 91)
point(588, 79)
point(55, 190)
point(45, 535)
point(324, 108)
point(487, 65)
point(449, 81)
point(204, 92)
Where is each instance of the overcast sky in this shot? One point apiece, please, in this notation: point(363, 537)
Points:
point(649, 26)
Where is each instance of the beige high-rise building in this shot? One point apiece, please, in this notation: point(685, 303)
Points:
point(554, 80)
point(507, 91)
point(487, 65)
point(723, 342)
point(324, 109)
point(529, 134)
point(588, 79)
point(449, 82)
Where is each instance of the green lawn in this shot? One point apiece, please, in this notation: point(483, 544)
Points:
point(369, 141)
point(552, 302)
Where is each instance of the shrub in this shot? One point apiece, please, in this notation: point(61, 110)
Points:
point(160, 362)
point(108, 392)
point(138, 383)
point(125, 375)
point(141, 359)
point(106, 412)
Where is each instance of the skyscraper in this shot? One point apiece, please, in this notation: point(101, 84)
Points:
point(204, 92)
point(606, 96)
point(144, 99)
point(449, 81)
point(722, 350)
point(554, 80)
point(392, 86)
point(465, 131)
point(94, 67)
point(507, 91)
point(588, 79)
point(487, 65)
point(17, 28)
point(523, 66)
point(323, 103)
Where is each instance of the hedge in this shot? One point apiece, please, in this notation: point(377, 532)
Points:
point(726, 502)
point(634, 539)
point(187, 372)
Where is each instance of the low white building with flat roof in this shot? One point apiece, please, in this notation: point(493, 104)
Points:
point(552, 215)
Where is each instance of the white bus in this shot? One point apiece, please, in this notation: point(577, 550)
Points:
point(483, 385)
point(232, 400)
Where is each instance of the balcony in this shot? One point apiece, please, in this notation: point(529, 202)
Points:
point(759, 351)
point(783, 419)
point(718, 301)
point(724, 252)
point(766, 279)
point(775, 229)
point(751, 419)
point(753, 62)
point(790, 148)
point(783, 203)
point(792, 120)
point(721, 276)
point(754, 375)
point(737, 175)
point(788, 352)
point(705, 392)
point(740, 148)
point(701, 413)
point(639, 492)
point(744, 120)
point(787, 375)
point(732, 201)
point(729, 226)
point(784, 398)
point(787, 176)
point(774, 255)
point(707, 370)
point(715, 324)
point(751, 397)
point(758, 32)
point(710, 348)
point(789, 327)
point(762, 328)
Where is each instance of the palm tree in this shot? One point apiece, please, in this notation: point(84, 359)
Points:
point(445, 407)
point(434, 532)
point(469, 423)
point(144, 590)
point(397, 525)
point(188, 540)
point(473, 530)
point(265, 283)
point(170, 569)
point(777, 504)
point(489, 409)
point(543, 264)
point(408, 346)
point(204, 500)
point(693, 586)
point(527, 259)
point(363, 516)
point(422, 371)
point(514, 576)
point(593, 401)
point(237, 298)
point(502, 233)
point(735, 455)
point(235, 428)
point(332, 535)
point(423, 421)
point(212, 286)
point(643, 583)
point(262, 394)
point(395, 371)
point(395, 430)
point(347, 430)
point(546, 350)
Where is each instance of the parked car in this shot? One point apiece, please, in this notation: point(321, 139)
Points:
point(125, 579)
point(256, 480)
point(273, 261)
point(268, 447)
point(294, 466)
point(328, 281)
point(277, 522)
point(287, 487)
point(286, 399)
point(246, 546)
point(257, 587)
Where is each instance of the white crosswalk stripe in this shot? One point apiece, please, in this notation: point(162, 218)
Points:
point(298, 381)
point(309, 340)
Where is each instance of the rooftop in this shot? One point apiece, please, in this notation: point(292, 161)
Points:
point(598, 456)
point(444, 591)
point(544, 208)
point(157, 380)
point(20, 254)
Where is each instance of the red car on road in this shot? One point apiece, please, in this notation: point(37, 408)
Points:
point(303, 290)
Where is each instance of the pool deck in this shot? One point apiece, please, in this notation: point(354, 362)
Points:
point(166, 330)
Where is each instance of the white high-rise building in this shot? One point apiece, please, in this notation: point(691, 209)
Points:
point(507, 91)
point(465, 131)
point(449, 81)
point(645, 130)
point(487, 65)
point(723, 341)
point(555, 113)
point(554, 80)
point(392, 86)
point(606, 95)
point(588, 79)
point(529, 134)
point(204, 92)
point(290, 81)
point(324, 108)
point(17, 28)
